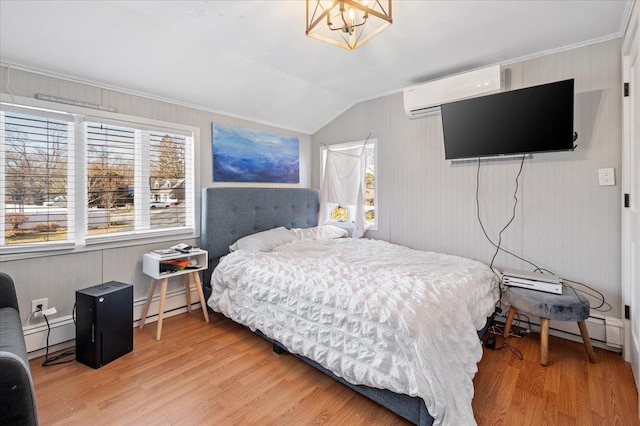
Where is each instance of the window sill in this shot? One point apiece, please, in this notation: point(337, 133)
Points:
point(136, 236)
point(96, 243)
point(351, 225)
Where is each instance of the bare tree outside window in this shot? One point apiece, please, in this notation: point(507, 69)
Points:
point(130, 169)
point(36, 170)
point(167, 179)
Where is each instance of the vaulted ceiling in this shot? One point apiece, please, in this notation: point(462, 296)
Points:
point(251, 59)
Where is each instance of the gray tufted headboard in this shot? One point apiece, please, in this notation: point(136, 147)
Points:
point(232, 213)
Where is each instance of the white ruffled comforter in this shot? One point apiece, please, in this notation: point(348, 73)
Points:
point(372, 312)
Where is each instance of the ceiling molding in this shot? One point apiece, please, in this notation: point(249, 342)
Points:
point(626, 17)
point(563, 49)
point(103, 86)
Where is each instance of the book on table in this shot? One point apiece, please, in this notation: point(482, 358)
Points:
point(174, 265)
point(165, 252)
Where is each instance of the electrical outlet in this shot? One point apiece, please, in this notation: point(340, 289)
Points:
point(607, 177)
point(35, 303)
point(47, 312)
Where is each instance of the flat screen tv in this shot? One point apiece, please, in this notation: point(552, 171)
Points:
point(534, 119)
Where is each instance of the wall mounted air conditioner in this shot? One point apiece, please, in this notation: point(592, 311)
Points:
point(425, 99)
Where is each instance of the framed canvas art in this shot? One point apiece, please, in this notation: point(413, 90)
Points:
point(248, 155)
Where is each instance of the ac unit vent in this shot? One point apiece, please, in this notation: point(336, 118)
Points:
point(425, 99)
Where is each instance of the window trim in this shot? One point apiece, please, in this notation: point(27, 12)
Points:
point(84, 242)
point(70, 133)
point(348, 145)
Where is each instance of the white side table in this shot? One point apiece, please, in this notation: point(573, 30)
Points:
point(151, 266)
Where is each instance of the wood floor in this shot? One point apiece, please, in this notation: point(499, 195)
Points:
point(221, 373)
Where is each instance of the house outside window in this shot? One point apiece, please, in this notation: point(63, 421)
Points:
point(72, 179)
point(36, 180)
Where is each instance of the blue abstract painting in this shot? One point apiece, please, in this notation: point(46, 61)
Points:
point(247, 155)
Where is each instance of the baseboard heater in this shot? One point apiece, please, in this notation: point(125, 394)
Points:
point(540, 282)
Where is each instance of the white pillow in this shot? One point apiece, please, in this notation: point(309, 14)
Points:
point(326, 232)
point(264, 241)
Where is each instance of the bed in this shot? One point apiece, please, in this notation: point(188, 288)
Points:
point(380, 341)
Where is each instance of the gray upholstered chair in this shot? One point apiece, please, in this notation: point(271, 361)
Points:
point(568, 306)
point(17, 396)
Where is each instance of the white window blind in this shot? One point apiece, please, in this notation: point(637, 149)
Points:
point(110, 178)
point(70, 180)
point(170, 168)
point(36, 178)
point(139, 179)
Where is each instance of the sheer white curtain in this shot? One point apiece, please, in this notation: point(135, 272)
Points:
point(343, 184)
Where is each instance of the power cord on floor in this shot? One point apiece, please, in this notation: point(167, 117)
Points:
point(490, 343)
point(56, 360)
point(499, 331)
point(518, 320)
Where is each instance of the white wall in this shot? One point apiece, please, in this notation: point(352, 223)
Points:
point(57, 277)
point(565, 221)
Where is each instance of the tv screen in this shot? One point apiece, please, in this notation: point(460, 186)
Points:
point(534, 119)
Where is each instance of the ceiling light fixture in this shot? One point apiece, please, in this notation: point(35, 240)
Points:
point(347, 23)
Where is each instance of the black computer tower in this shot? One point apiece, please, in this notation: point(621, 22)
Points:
point(104, 323)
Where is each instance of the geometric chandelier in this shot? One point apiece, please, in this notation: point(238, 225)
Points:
point(347, 23)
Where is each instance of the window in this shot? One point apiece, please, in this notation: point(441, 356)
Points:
point(36, 179)
point(345, 215)
point(110, 166)
point(73, 179)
